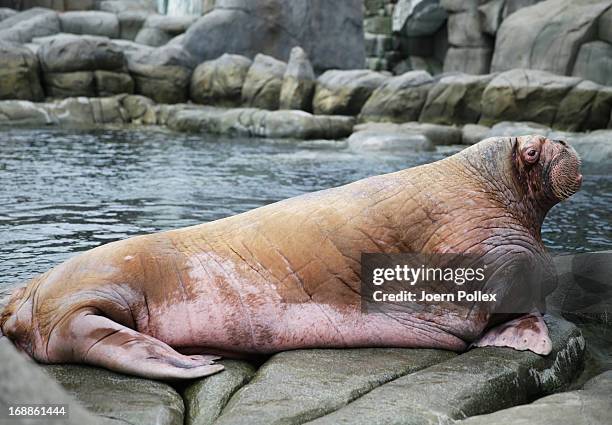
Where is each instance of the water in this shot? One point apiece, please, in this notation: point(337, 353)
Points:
point(64, 191)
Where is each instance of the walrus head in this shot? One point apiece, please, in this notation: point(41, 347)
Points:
point(549, 169)
point(16, 320)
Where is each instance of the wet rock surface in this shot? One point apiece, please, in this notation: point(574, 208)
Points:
point(19, 73)
point(263, 83)
point(219, 82)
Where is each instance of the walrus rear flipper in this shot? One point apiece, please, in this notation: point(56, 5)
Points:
point(528, 332)
point(121, 349)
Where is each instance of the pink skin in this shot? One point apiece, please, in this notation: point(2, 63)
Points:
point(286, 276)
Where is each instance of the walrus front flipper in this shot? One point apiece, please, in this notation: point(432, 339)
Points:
point(528, 332)
point(108, 344)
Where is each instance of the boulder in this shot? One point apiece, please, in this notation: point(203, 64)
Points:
point(19, 73)
point(605, 26)
point(109, 83)
point(469, 60)
point(439, 135)
point(455, 99)
point(298, 82)
point(301, 385)
point(85, 53)
point(121, 398)
point(418, 63)
point(398, 99)
point(22, 112)
point(119, 6)
point(460, 5)
point(69, 84)
point(152, 37)
point(219, 81)
point(586, 106)
point(139, 109)
point(24, 26)
point(378, 24)
point(6, 13)
point(90, 22)
point(594, 62)
point(83, 111)
point(464, 30)
point(263, 83)
point(491, 16)
point(473, 133)
point(330, 32)
point(345, 92)
point(162, 74)
point(250, 122)
point(159, 29)
point(395, 142)
point(131, 22)
point(206, 398)
point(479, 381)
point(22, 381)
point(589, 405)
point(512, 129)
point(547, 35)
point(413, 18)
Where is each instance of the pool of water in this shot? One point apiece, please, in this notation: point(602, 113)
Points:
point(63, 191)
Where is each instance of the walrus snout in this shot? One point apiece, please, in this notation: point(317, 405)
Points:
point(564, 176)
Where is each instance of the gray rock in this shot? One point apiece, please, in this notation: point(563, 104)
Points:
point(162, 74)
point(139, 109)
point(586, 106)
point(378, 25)
point(90, 22)
point(418, 17)
point(525, 95)
point(473, 133)
point(437, 134)
point(22, 112)
point(263, 83)
point(418, 63)
point(19, 73)
point(219, 82)
point(330, 32)
point(547, 35)
point(22, 381)
point(24, 26)
point(85, 53)
point(491, 16)
point(594, 62)
point(395, 142)
point(470, 60)
point(118, 6)
point(6, 13)
point(589, 406)
point(398, 99)
point(109, 83)
point(88, 112)
point(152, 37)
point(461, 5)
point(250, 122)
point(69, 84)
point(120, 398)
point(455, 99)
point(206, 398)
point(159, 29)
point(298, 82)
point(297, 386)
point(605, 26)
point(513, 129)
point(477, 382)
point(130, 22)
point(345, 92)
point(464, 30)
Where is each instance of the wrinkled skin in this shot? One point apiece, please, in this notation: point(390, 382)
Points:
point(287, 275)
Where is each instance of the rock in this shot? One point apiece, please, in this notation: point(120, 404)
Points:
point(477, 382)
point(378, 25)
point(590, 405)
point(584, 290)
point(206, 398)
point(460, 5)
point(418, 17)
point(162, 74)
point(22, 112)
point(85, 53)
point(24, 26)
point(130, 22)
point(83, 111)
point(19, 73)
point(330, 32)
point(345, 92)
point(90, 22)
point(594, 62)
point(525, 95)
point(6, 13)
point(21, 380)
point(439, 135)
point(118, 6)
point(109, 83)
point(152, 37)
point(547, 35)
point(298, 386)
point(298, 82)
point(159, 29)
point(121, 398)
point(396, 142)
point(464, 30)
point(139, 109)
point(586, 106)
point(219, 82)
point(455, 99)
point(470, 60)
point(491, 16)
point(69, 84)
point(474, 133)
point(177, 40)
point(605, 26)
point(594, 148)
point(398, 99)
point(418, 63)
point(513, 129)
point(250, 122)
point(378, 44)
point(263, 83)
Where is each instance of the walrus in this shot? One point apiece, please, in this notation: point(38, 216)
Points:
point(287, 275)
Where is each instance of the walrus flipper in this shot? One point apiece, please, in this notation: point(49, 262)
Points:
point(113, 346)
point(528, 332)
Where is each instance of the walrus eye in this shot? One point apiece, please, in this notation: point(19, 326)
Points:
point(532, 155)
